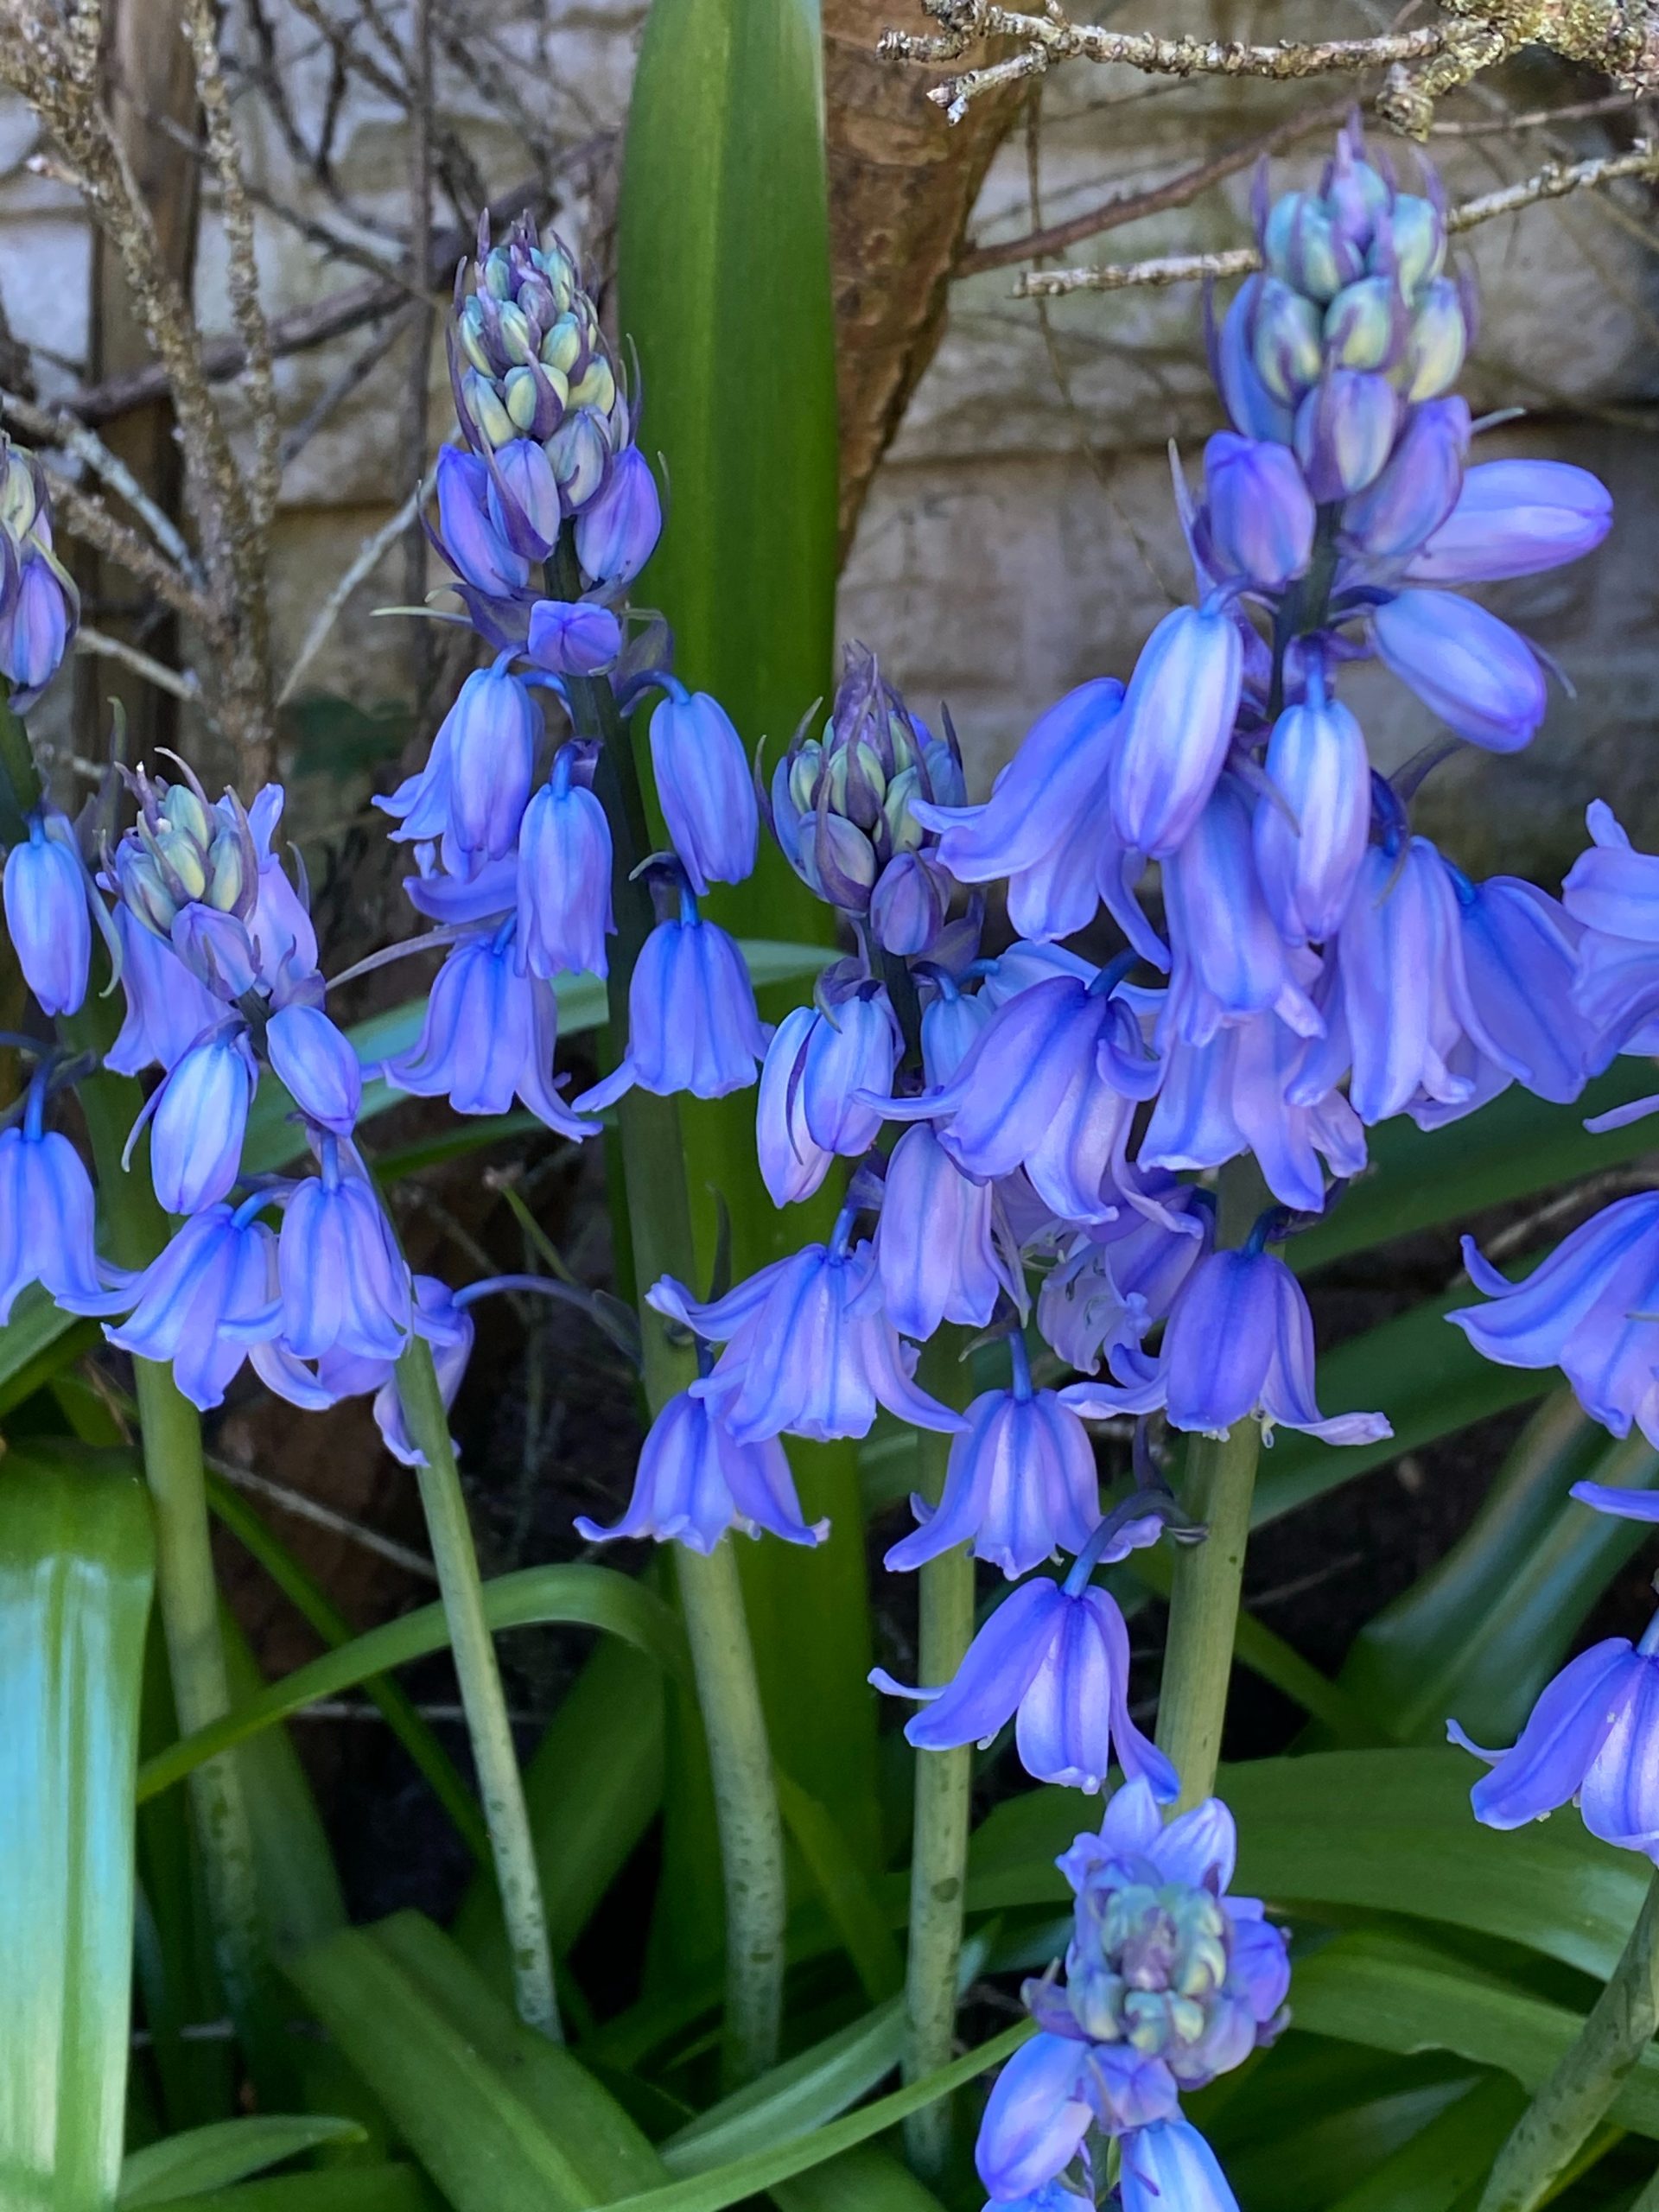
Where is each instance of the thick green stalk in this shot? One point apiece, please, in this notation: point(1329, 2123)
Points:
point(939, 1860)
point(659, 1227)
point(501, 1787)
point(1580, 2093)
point(1219, 1482)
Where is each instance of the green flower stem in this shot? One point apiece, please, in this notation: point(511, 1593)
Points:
point(1219, 1482)
point(939, 1860)
point(500, 1783)
point(659, 1227)
point(1580, 2093)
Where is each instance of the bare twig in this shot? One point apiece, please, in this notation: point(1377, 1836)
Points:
point(50, 426)
point(184, 685)
point(308, 1509)
point(88, 519)
point(1538, 119)
point(372, 551)
point(1552, 182)
point(346, 380)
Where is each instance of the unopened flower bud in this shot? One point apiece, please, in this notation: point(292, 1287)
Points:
point(1285, 342)
point(1417, 241)
point(317, 1064)
point(1417, 490)
point(492, 731)
point(1436, 342)
point(579, 453)
point(1300, 247)
point(909, 904)
point(201, 1114)
point(1362, 324)
point(523, 498)
point(1175, 727)
point(572, 637)
point(1477, 674)
point(1308, 846)
point(703, 782)
point(1345, 431)
point(46, 915)
point(227, 869)
point(1514, 518)
point(1251, 408)
point(617, 533)
point(471, 542)
point(1259, 514)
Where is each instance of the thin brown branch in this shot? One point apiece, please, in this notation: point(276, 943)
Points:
point(1125, 207)
point(88, 519)
point(1554, 182)
point(1538, 119)
point(51, 426)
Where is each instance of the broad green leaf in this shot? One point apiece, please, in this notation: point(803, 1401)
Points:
point(590, 1596)
point(299, 1886)
point(1368, 1991)
point(609, 2150)
point(761, 2170)
point(1420, 1371)
point(1512, 1148)
point(230, 2150)
point(594, 1785)
point(1431, 2172)
point(343, 2189)
point(76, 1565)
point(466, 2119)
point(792, 2099)
point(1388, 1831)
point(723, 284)
point(1480, 1634)
point(848, 1897)
point(864, 2180)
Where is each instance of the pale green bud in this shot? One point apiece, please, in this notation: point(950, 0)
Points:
point(184, 810)
point(803, 777)
point(514, 326)
point(183, 861)
point(597, 388)
point(902, 828)
point(226, 871)
point(561, 346)
point(488, 411)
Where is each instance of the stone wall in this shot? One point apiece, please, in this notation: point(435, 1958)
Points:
point(1020, 535)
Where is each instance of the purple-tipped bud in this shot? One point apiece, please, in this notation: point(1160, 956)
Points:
point(1285, 341)
point(471, 545)
point(524, 502)
point(909, 904)
point(617, 533)
point(1515, 519)
point(573, 637)
point(1362, 324)
point(1420, 488)
point(1251, 408)
point(1308, 853)
point(1416, 231)
point(706, 791)
point(47, 916)
point(491, 732)
point(1477, 674)
point(201, 1115)
point(1259, 513)
point(1302, 248)
point(564, 877)
point(1344, 432)
point(1438, 341)
point(317, 1064)
point(1175, 727)
point(1356, 195)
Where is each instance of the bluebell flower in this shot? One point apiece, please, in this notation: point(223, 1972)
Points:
point(1020, 1485)
point(810, 1110)
point(48, 1227)
point(198, 1118)
point(1169, 2163)
point(1227, 960)
point(1252, 409)
point(936, 1241)
point(909, 901)
point(1238, 1346)
point(489, 1036)
point(1041, 2106)
point(573, 637)
point(695, 1481)
point(705, 788)
point(692, 1022)
point(1438, 339)
point(951, 1021)
point(1248, 1091)
point(1344, 432)
point(809, 1349)
point(1176, 727)
point(1309, 852)
point(344, 1285)
point(1592, 1737)
point(284, 941)
point(494, 727)
point(36, 623)
point(1480, 677)
point(617, 533)
point(1418, 491)
point(168, 1007)
point(46, 917)
point(440, 1316)
point(563, 884)
point(1056, 1662)
point(1611, 896)
point(1514, 518)
point(317, 1064)
point(1589, 1310)
point(1045, 827)
point(524, 496)
point(1394, 995)
point(1050, 1085)
point(1303, 247)
point(1118, 1279)
point(1258, 515)
point(467, 535)
point(210, 1300)
point(1285, 341)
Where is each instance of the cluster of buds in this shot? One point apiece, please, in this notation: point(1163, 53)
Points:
point(1353, 319)
point(40, 607)
point(549, 428)
point(850, 810)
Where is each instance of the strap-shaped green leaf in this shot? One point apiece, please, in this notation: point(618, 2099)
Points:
point(341, 2189)
point(76, 1564)
point(229, 2151)
point(588, 1596)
